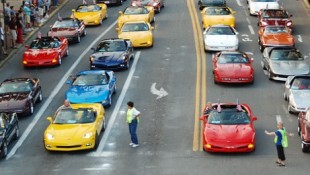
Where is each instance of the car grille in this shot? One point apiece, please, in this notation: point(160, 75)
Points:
point(73, 146)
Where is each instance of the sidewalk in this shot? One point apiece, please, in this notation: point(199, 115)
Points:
point(11, 51)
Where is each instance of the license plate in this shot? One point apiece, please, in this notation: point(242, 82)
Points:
point(107, 2)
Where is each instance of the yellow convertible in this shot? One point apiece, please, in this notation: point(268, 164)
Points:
point(136, 14)
point(217, 15)
point(91, 14)
point(138, 32)
point(76, 128)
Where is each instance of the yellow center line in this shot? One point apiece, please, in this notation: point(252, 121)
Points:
point(200, 74)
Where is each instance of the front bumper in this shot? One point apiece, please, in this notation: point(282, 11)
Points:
point(118, 66)
point(229, 149)
point(220, 48)
point(67, 145)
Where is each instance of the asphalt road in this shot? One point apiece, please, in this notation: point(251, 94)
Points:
point(167, 126)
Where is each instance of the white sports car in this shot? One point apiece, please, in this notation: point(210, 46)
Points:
point(255, 6)
point(220, 37)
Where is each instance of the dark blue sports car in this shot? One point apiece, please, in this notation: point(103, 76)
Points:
point(92, 86)
point(9, 131)
point(112, 54)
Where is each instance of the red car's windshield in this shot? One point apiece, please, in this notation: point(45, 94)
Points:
point(228, 117)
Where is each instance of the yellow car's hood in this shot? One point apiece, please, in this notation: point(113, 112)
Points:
point(135, 35)
point(86, 16)
point(225, 19)
point(142, 17)
point(60, 131)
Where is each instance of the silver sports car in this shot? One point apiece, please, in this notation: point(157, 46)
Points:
point(297, 92)
point(281, 62)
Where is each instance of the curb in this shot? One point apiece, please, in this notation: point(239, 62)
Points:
point(306, 2)
point(2, 62)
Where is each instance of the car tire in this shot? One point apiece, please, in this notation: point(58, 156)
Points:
point(153, 20)
point(110, 101)
point(252, 82)
point(17, 132)
point(59, 60)
point(304, 147)
point(78, 39)
point(261, 47)
point(263, 65)
point(100, 22)
point(159, 9)
point(84, 33)
point(127, 64)
point(299, 130)
point(103, 126)
point(269, 74)
point(31, 108)
point(4, 149)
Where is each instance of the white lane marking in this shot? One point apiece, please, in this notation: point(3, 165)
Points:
point(53, 94)
point(117, 107)
point(251, 29)
point(239, 3)
point(248, 20)
point(279, 119)
point(160, 93)
point(287, 113)
point(299, 38)
point(245, 37)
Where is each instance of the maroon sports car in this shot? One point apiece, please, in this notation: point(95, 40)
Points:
point(274, 17)
point(157, 4)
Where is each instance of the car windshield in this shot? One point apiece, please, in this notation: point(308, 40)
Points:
point(88, 8)
point(218, 11)
point(301, 83)
point(65, 24)
point(90, 80)
point(136, 11)
point(286, 55)
point(13, 87)
point(276, 29)
point(228, 116)
point(131, 27)
point(233, 58)
point(111, 46)
point(45, 43)
point(74, 116)
point(220, 31)
point(264, 0)
point(274, 14)
point(213, 2)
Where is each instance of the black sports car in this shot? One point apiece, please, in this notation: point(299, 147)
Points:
point(108, 2)
point(112, 54)
point(19, 95)
point(9, 130)
point(207, 3)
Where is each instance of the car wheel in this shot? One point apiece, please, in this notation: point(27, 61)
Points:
point(299, 130)
point(269, 74)
point(110, 101)
point(114, 89)
point(59, 60)
point(106, 16)
point(304, 147)
point(40, 98)
point(4, 149)
point(103, 126)
point(153, 20)
point(84, 32)
point(96, 141)
point(285, 97)
point(263, 65)
point(78, 39)
point(31, 108)
point(16, 132)
point(100, 22)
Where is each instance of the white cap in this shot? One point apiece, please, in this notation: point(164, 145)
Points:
point(26, 3)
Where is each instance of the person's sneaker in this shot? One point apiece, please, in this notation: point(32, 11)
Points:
point(130, 144)
point(134, 145)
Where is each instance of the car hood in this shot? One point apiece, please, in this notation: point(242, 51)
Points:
point(278, 39)
point(135, 35)
point(289, 67)
point(256, 6)
point(10, 101)
point(69, 131)
point(62, 31)
point(87, 16)
point(301, 98)
point(234, 70)
point(108, 56)
point(87, 94)
point(221, 40)
point(228, 134)
point(40, 54)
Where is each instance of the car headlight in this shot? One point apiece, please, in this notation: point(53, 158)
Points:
point(155, 4)
point(104, 101)
point(91, 59)
point(87, 135)
point(50, 136)
point(124, 57)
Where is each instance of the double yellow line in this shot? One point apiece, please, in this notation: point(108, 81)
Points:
point(200, 96)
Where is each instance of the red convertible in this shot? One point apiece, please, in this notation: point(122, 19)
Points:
point(45, 51)
point(304, 130)
point(228, 127)
point(233, 67)
point(274, 17)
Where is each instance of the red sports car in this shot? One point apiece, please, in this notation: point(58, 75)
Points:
point(229, 128)
point(233, 67)
point(157, 4)
point(304, 130)
point(274, 17)
point(46, 51)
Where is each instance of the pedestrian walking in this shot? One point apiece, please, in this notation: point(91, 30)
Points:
point(2, 39)
point(13, 31)
point(281, 142)
point(132, 120)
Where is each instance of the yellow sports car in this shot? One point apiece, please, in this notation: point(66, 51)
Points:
point(76, 128)
point(91, 14)
point(136, 14)
point(138, 32)
point(217, 15)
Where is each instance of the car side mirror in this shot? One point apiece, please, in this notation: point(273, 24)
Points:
point(254, 118)
point(27, 46)
point(73, 10)
point(49, 119)
point(152, 28)
point(120, 12)
point(68, 82)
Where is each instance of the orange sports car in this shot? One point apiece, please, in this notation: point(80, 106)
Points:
point(275, 36)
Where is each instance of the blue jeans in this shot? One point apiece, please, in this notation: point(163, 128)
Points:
point(133, 131)
point(55, 2)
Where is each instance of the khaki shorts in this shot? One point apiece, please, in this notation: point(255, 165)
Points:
point(14, 34)
point(27, 19)
point(41, 11)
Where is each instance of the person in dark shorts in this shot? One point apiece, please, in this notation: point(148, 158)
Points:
point(281, 142)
